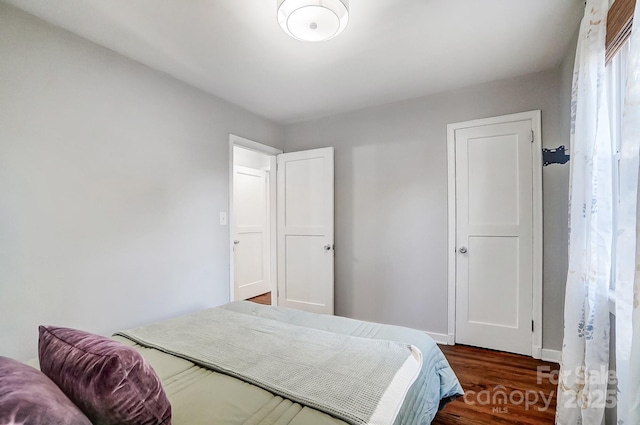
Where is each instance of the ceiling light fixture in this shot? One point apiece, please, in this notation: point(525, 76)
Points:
point(313, 20)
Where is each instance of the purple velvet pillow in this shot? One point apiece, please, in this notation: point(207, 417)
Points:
point(28, 397)
point(109, 381)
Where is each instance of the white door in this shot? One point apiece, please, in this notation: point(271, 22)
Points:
point(494, 236)
point(250, 233)
point(305, 230)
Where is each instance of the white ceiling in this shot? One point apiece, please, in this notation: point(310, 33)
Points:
point(391, 50)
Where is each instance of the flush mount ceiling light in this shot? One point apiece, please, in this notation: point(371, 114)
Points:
point(313, 20)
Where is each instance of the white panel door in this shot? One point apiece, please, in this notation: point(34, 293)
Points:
point(251, 239)
point(494, 232)
point(305, 230)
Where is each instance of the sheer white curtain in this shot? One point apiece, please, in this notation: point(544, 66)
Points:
point(583, 386)
point(628, 239)
point(585, 352)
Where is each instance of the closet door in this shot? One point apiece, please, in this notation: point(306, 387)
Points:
point(494, 236)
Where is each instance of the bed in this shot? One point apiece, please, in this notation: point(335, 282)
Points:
point(199, 395)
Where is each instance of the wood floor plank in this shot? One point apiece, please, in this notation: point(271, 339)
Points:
point(262, 299)
point(529, 394)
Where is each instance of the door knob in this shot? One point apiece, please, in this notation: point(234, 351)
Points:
point(327, 247)
point(463, 250)
point(236, 242)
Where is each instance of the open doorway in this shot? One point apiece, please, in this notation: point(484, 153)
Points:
point(253, 266)
point(281, 226)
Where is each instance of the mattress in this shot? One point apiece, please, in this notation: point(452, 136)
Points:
point(202, 396)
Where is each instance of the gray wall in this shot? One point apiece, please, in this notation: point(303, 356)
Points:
point(560, 207)
point(111, 179)
point(391, 199)
point(112, 176)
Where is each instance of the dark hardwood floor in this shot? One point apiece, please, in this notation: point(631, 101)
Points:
point(262, 299)
point(500, 388)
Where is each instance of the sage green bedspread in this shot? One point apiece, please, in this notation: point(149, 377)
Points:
point(201, 396)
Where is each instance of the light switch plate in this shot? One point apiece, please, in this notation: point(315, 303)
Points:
point(223, 218)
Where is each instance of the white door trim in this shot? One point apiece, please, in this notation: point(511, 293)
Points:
point(272, 152)
point(535, 118)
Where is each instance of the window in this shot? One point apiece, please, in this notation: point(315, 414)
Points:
point(619, 25)
point(616, 88)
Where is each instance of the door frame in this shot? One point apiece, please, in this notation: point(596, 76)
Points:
point(273, 263)
point(536, 159)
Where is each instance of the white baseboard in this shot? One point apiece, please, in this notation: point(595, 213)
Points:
point(439, 338)
point(536, 353)
point(553, 356)
point(452, 339)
